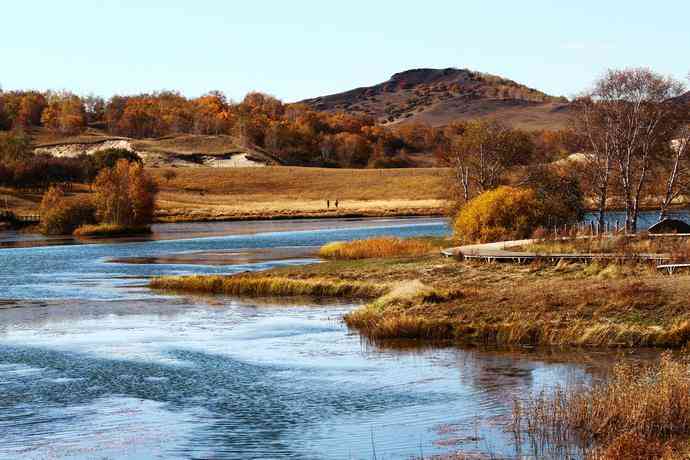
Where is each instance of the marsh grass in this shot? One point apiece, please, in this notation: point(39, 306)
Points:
point(379, 248)
point(266, 286)
point(111, 230)
point(638, 412)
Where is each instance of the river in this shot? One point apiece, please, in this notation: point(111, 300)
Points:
point(95, 365)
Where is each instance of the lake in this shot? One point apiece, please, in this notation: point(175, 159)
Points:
point(95, 365)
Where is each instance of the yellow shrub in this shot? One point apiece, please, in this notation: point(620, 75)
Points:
point(506, 213)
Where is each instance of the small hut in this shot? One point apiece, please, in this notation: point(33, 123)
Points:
point(670, 226)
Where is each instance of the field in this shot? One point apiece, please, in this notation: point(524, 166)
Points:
point(205, 193)
point(283, 192)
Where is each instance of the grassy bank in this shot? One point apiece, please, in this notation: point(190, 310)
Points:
point(436, 298)
point(381, 247)
point(111, 230)
point(267, 286)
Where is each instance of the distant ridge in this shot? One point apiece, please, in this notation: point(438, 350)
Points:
point(440, 96)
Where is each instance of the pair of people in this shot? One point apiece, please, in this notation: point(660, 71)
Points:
point(328, 204)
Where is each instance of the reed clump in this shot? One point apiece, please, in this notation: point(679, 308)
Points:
point(377, 248)
point(638, 412)
point(266, 286)
point(111, 230)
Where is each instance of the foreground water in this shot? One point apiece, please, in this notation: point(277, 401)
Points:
point(94, 365)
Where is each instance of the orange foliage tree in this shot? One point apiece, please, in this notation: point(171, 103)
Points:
point(125, 195)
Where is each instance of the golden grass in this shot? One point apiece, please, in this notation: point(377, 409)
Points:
point(377, 247)
point(110, 230)
point(638, 412)
point(265, 286)
point(677, 247)
point(206, 193)
point(298, 183)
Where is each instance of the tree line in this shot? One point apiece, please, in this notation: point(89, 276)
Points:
point(294, 133)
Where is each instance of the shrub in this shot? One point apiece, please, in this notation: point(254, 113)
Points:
point(60, 216)
point(125, 195)
point(108, 158)
point(505, 213)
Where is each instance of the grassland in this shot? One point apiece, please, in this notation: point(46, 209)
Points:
point(206, 193)
point(434, 298)
point(293, 192)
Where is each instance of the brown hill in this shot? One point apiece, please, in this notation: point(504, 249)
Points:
point(439, 96)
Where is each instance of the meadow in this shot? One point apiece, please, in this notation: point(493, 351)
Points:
point(207, 193)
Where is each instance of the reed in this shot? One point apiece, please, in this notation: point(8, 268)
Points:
point(377, 248)
point(265, 286)
point(638, 412)
point(111, 230)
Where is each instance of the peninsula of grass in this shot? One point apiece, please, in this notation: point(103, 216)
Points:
point(260, 285)
point(111, 231)
point(381, 247)
point(430, 297)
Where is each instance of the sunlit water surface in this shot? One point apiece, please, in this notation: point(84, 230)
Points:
point(95, 365)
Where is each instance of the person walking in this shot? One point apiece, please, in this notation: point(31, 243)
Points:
point(328, 204)
point(336, 204)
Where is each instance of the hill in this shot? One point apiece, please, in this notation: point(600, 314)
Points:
point(439, 96)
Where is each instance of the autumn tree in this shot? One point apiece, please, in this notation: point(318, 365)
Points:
point(483, 153)
point(125, 195)
point(64, 113)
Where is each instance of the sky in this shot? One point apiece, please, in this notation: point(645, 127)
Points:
point(296, 49)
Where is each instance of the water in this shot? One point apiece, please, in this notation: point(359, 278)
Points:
point(94, 365)
point(645, 220)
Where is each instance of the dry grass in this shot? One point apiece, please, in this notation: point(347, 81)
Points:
point(232, 193)
point(676, 247)
point(257, 193)
point(266, 286)
point(378, 247)
point(205, 193)
point(110, 230)
point(639, 412)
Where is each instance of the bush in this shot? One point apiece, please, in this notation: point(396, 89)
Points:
point(506, 213)
point(108, 158)
point(559, 194)
point(60, 216)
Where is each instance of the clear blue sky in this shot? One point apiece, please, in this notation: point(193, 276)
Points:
point(295, 49)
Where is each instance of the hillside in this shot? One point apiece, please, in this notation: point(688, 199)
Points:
point(174, 150)
point(439, 96)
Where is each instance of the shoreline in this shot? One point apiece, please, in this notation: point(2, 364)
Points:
point(433, 298)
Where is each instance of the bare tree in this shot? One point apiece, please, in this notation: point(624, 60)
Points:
point(483, 153)
point(678, 179)
point(637, 123)
point(595, 130)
